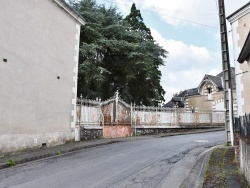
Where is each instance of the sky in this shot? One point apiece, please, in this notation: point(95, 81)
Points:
point(189, 31)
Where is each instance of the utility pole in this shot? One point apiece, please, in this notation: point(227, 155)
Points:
point(226, 71)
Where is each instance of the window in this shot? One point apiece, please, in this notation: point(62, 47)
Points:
point(209, 90)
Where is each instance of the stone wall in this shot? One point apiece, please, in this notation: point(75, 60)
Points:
point(146, 131)
point(87, 134)
point(244, 157)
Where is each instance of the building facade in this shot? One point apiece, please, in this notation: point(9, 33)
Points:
point(239, 21)
point(209, 95)
point(39, 47)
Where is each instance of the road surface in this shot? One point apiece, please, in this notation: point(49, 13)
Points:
point(152, 162)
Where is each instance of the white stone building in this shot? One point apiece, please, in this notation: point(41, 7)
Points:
point(239, 21)
point(39, 45)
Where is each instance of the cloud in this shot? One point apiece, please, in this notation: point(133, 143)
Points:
point(186, 64)
point(188, 61)
point(183, 12)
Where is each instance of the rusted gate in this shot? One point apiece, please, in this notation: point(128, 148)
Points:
point(111, 117)
point(116, 118)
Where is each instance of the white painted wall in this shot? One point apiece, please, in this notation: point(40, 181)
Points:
point(219, 106)
point(238, 72)
point(40, 42)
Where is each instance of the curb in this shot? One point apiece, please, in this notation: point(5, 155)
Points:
point(30, 159)
point(38, 157)
point(194, 132)
point(195, 178)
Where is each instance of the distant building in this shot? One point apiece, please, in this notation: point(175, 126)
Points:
point(209, 95)
point(39, 47)
point(179, 100)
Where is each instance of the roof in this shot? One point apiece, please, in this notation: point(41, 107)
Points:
point(232, 77)
point(169, 104)
point(216, 80)
point(70, 11)
point(182, 94)
point(172, 104)
point(179, 99)
point(237, 11)
point(191, 92)
point(245, 52)
point(220, 74)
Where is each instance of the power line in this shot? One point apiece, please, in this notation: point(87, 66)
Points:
point(169, 10)
point(217, 6)
point(189, 21)
point(184, 20)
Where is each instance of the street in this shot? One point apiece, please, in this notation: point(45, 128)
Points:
point(152, 162)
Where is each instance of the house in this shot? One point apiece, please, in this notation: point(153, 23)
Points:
point(209, 95)
point(239, 21)
point(39, 46)
point(179, 99)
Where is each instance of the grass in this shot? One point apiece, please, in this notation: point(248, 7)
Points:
point(221, 167)
point(11, 163)
point(227, 144)
point(58, 153)
point(215, 169)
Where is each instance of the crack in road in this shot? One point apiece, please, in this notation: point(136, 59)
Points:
point(154, 173)
point(139, 164)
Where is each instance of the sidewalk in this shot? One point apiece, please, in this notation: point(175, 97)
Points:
point(223, 170)
point(216, 167)
point(44, 152)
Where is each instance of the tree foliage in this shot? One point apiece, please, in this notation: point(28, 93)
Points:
point(136, 23)
point(118, 54)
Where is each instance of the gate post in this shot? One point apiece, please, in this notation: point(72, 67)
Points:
point(135, 119)
point(131, 117)
point(116, 106)
point(78, 127)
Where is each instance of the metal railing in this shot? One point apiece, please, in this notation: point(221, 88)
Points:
point(98, 113)
point(242, 125)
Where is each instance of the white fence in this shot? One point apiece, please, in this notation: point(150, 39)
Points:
point(165, 117)
point(90, 115)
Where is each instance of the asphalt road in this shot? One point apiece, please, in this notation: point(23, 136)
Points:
point(152, 162)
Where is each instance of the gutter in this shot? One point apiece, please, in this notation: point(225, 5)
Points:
point(70, 11)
